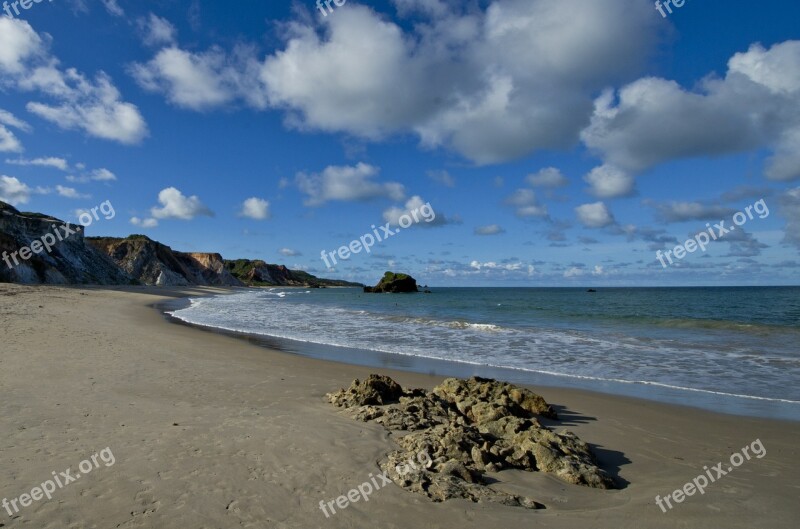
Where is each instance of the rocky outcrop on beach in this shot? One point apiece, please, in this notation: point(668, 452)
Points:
point(394, 284)
point(63, 257)
point(468, 428)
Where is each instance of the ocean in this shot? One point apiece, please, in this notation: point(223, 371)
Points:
point(727, 349)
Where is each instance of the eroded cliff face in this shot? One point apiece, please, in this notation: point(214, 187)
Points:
point(153, 263)
point(56, 252)
point(39, 249)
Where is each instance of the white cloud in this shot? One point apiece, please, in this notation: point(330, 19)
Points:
point(94, 106)
point(13, 191)
point(608, 181)
point(755, 106)
point(595, 215)
point(288, 252)
point(156, 31)
point(491, 229)
point(69, 192)
point(7, 118)
point(505, 267)
point(98, 175)
point(113, 8)
point(177, 206)
point(201, 81)
point(346, 183)
point(429, 78)
point(526, 204)
point(548, 177)
point(56, 163)
point(8, 140)
point(415, 204)
point(255, 208)
point(144, 223)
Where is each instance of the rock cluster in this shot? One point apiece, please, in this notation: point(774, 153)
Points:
point(469, 427)
point(392, 283)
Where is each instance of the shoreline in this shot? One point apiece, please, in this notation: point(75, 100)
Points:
point(210, 430)
point(645, 391)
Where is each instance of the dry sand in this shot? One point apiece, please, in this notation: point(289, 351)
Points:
point(209, 431)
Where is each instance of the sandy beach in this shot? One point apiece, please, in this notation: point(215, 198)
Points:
point(211, 431)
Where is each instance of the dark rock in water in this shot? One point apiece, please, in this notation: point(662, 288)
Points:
point(591, 290)
point(394, 283)
point(467, 428)
point(428, 292)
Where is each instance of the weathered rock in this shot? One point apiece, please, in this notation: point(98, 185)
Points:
point(376, 389)
point(467, 428)
point(485, 394)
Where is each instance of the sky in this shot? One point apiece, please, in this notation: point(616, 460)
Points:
point(556, 143)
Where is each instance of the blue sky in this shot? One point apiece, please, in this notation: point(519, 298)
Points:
point(559, 143)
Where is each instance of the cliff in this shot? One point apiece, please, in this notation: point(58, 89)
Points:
point(36, 248)
point(56, 252)
point(260, 273)
point(153, 263)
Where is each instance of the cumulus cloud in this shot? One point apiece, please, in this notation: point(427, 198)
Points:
point(288, 252)
point(346, 183)
point(255, 208)
point(491, 229)
point(144, 223)
point(13, 191)
point(55, 163)
point(203, 80)
point(427, 217)
point(596, 215)
point(431, 78)
point(77, 102)
point(608, 181)
point(526, 204)
point(756, 105)
point(175, 205)
point(548, 177)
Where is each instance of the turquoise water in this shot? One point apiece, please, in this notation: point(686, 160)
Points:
point(734, 348)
